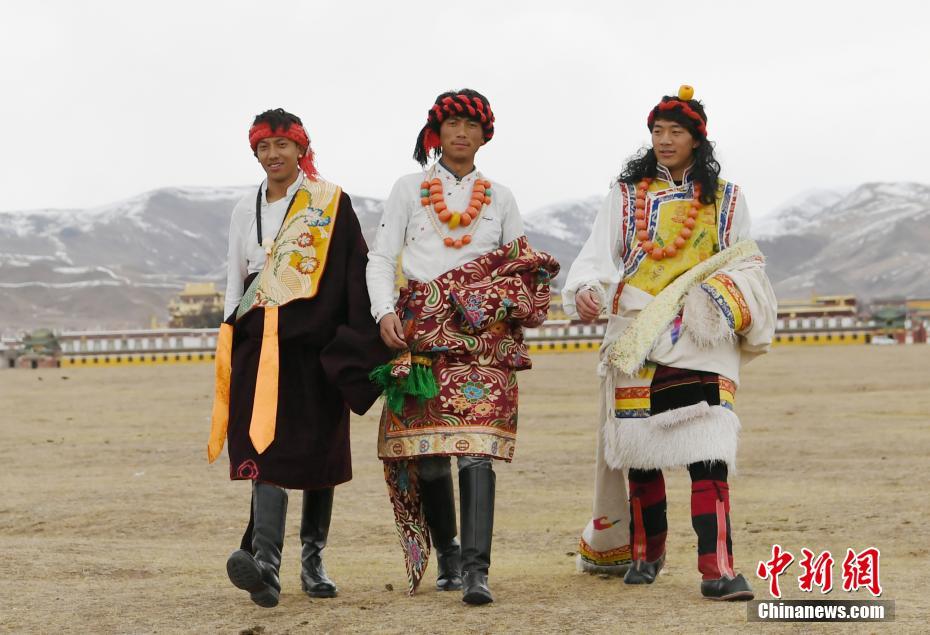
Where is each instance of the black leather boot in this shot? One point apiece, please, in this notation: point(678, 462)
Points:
point(439, 508)
point(476, 489)
point(314, 528)
point(257, 572)
point(644, 572)
point(727, 588)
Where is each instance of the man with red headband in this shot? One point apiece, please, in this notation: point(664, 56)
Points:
point(293, 354)
point(687, 301)
point(472, 283)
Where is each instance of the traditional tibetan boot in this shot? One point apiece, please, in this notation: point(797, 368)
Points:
point(710, 517)
point(314, 529)
point(257, 571)
point(439, 508)
point(648, 526)
point(726, 588)
point(476, 489)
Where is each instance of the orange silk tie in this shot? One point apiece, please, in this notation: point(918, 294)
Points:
point(220, 418)
point(265, 406)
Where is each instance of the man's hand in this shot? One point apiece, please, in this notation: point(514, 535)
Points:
point(588, 304)
point(392, 332)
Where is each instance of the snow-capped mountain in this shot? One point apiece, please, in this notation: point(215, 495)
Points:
point(796, 213)
point(562, 229)
point(117, 266)
point(871, 241)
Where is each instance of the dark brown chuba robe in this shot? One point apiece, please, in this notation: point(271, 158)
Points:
point(328, 344)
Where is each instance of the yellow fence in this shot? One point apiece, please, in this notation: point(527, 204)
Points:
point(563, 346)
point(549, 346)
point(820, 339)
point(781, 339)
point(136, 360)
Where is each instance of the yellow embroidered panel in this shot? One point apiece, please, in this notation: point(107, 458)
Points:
point(294, 267)
point(667, 208)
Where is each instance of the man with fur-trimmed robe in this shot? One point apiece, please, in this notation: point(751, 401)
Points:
point(687, 302)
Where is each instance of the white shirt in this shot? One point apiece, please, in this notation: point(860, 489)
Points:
point(245, 255)
point(409, 230)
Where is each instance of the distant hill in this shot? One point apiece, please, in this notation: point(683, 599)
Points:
point(871, 241)
point(117, 266)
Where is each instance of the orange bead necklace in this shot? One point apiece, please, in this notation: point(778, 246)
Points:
point(655, 251)
point(431, 195)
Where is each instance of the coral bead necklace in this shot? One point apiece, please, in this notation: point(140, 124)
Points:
point(671, 249)
point(431, 195)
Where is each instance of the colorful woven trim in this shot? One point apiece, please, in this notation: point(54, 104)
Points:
point(612, 558)
point(727, 393)
point(726, 295)
point(634, 402)
point(631, 403)
point(727, 197)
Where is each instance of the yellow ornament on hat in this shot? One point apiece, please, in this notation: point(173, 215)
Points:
point(686, 92)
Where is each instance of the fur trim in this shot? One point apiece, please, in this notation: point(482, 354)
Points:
point(672, 418)
point(584, 566)
point(628, 353)
point(703, 320)
point(642, 444)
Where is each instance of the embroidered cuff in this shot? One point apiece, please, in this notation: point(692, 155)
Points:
point(728, 299)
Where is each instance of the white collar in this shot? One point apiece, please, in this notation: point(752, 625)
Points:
point(291, 189)
point(443, 172)
point(663, 174)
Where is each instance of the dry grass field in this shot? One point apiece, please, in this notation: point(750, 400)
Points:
point(111, 521)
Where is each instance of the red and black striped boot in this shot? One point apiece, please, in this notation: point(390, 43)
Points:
point(648, 526)
point(710, 517)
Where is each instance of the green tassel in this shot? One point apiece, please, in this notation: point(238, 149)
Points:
point(381, 375)
point(420, 384)
point(394, 398)
point(390, 385)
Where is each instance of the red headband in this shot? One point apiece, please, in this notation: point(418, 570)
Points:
point(456, 106)
point(296, 133)
point(685, 109)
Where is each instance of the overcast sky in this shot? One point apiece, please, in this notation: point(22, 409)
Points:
point(104, 100)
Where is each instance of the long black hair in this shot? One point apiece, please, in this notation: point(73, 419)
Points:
point(706, 169)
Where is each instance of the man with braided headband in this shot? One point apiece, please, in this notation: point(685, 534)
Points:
point(472, 283)
point(687, 302)
point(294, 351)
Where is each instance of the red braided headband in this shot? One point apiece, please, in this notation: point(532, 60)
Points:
point(296, 133)
point(685, 109)
point(458, 106)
